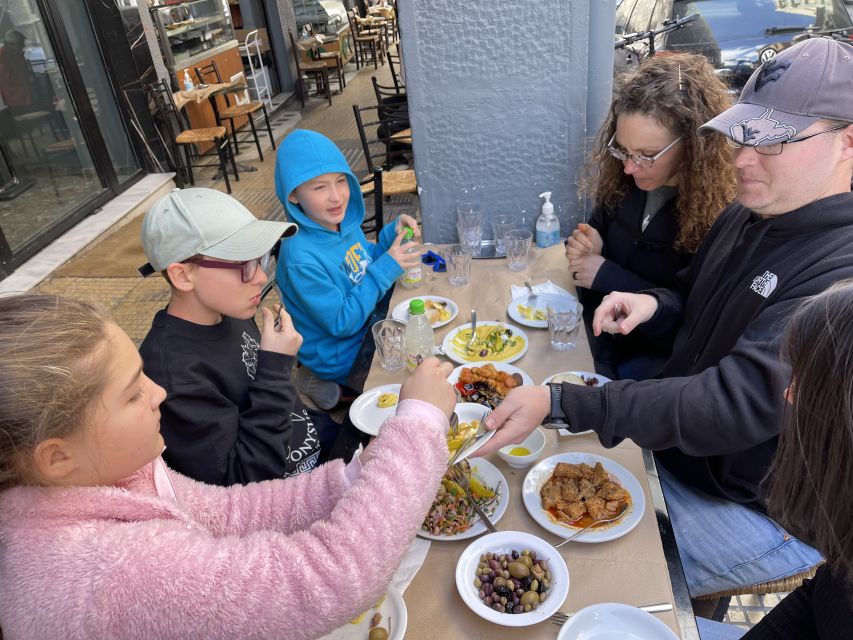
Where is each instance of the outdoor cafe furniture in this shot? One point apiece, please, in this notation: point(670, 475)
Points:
point(639, 568)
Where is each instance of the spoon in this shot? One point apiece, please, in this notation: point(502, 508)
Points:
point(591, 524)
point(473, 339)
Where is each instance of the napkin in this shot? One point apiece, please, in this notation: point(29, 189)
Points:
point(545, 287)
point(411, 564)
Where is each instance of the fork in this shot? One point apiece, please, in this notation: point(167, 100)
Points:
point(473, 339)
point(560, 618)
point(459, 478)
point(591, 524)
point(532, 296)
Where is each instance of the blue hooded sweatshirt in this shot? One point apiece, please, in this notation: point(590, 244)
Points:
point(330, 281)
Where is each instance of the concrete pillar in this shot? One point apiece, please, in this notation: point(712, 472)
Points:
point(500, 98)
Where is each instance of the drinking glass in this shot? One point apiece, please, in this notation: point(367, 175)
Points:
point(470, 229)
point(501, 223)
point(468, 208)
point(564, 321)
point(390, 344)
point(458, 265)
point(517, 249)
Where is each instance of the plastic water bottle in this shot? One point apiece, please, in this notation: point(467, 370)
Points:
point(188, 82)
point(418, 335)
point(547, 225)
point(414, 277)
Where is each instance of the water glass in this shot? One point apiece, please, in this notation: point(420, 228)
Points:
point(564, 321)
point(517, 249)
point(471, 233)
point(468, 208)
point(501, 223)
point(458, 259)
point(390, 344)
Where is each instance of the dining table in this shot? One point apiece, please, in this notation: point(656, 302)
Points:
point(639, 568)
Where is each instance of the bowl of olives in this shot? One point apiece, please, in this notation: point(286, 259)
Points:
point(512, 578)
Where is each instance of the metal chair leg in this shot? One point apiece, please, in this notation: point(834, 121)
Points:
point(220, 144)
point(255, 135)
point(189, 157)
point(269, 128)
point(231, 154)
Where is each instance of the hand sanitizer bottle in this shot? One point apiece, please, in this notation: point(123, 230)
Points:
point(188, 82)
point(547, 225)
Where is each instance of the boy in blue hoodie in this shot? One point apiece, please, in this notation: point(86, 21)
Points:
point(330, 276)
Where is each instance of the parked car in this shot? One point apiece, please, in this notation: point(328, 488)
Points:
point(735, 35)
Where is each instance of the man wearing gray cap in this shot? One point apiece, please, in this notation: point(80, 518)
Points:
point(713, 418)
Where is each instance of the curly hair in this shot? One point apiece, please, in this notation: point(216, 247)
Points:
point(681, 92)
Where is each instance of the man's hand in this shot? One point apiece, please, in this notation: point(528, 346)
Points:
point(585, 240)
point(429, 383)
point(405, 220)
point(584, 268)
point(623, 312)
point(523, 409)
point(279, 335)
point(400, 253)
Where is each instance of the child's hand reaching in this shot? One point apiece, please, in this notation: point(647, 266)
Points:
point(279, 335)
point(406, 220)
point(401, 252)
point(429, 383)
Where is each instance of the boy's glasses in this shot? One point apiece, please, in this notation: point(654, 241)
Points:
point(248, 268)
point(435, 261)
point(646, 162)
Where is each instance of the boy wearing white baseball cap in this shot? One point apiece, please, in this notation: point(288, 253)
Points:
point(232, 414)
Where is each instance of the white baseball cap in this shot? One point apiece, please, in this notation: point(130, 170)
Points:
point(189, 222)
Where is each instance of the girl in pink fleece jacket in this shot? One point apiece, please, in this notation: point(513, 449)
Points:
point(99, 539)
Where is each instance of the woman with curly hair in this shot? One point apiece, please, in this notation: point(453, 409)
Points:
point(658, 185)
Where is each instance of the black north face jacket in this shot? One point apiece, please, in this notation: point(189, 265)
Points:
point(715, 414)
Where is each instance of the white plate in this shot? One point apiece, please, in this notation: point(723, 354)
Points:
point(392, 606)
point(466, 412)
point(490, 476)
point(401, 311)
point(586, 375)
point(542, 301)
point(503, 542)
point(612, 621)
point(450, 352)
point(364, 413)
point(537, 476)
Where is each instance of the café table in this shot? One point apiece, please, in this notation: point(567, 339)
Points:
point(639, 568)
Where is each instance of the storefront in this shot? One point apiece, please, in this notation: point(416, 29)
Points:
point(65, 143)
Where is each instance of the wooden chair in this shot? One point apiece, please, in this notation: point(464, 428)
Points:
point(782, 585)
point(306, 72)
point(179, 136)
point(364, 42)
point(372, 186)
point(394, 61)
point(391, 101)
point(381, 151)
point(332, 59)
point(209, 74)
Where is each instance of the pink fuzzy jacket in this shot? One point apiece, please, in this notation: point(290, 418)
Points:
point(282, 559)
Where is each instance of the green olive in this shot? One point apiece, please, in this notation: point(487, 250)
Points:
point(518, 570)
point(530, 598)
point(378, 633)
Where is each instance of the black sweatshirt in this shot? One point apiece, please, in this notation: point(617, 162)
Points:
point(821, 609)
point(715, 415)
point(231, 415)
point(635, 259)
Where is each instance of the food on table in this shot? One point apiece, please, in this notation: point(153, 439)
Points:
point(578, 494)
point(514, 582)
point(386, 400)
point(377, 632)
point(492, 342)
point(519, 451)
point(451, 512)
point(464, 431)
point(486, 385)
point(362, 616)
point(531, 313)
point(573, 378)
point(436, 311)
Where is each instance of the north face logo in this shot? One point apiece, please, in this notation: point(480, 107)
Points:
point(764, 284)
point(770, 71)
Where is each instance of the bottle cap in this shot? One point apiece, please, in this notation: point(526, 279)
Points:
point(547, 207)
point(408, 233)
point(416, 307)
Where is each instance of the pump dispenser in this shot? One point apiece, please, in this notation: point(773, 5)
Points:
point(547, 225)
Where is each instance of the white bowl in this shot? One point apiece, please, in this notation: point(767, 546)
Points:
point(504, 542)
point(535, 443)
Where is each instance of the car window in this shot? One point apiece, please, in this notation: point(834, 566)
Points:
point(641, 15)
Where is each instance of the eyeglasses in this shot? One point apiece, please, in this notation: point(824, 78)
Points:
point(776, 148)
point(248, 268)
point(647, 162)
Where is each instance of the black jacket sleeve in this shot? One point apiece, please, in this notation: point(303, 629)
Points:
point(212, 440)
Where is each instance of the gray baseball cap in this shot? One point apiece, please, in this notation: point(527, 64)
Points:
point(188, 222)
point(790, 92)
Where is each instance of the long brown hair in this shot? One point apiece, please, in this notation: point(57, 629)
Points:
point(681, 92)
point(811, 491)
point(52, 366)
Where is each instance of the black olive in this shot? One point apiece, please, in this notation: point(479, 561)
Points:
point(525, 582)
point(508, 331)
point(504, 592)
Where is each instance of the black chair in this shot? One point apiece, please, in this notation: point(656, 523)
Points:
point(209, 74)
point(307, 72)
point(365, 41)
point(394, 66)
point(382, 151)
point(391, 103)
point(372, 186)
point(177, 135)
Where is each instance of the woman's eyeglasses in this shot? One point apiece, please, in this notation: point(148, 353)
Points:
point(248, 268)
point(647, 162)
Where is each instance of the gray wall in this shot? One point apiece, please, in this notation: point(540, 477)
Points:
point(501, 95)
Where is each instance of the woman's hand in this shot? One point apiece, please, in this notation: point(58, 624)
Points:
point(429, 383)
point(405, 220)
point(279, 335)
point(584, 268)
point(585, 240)
point(401, 252)
point(623, 312)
